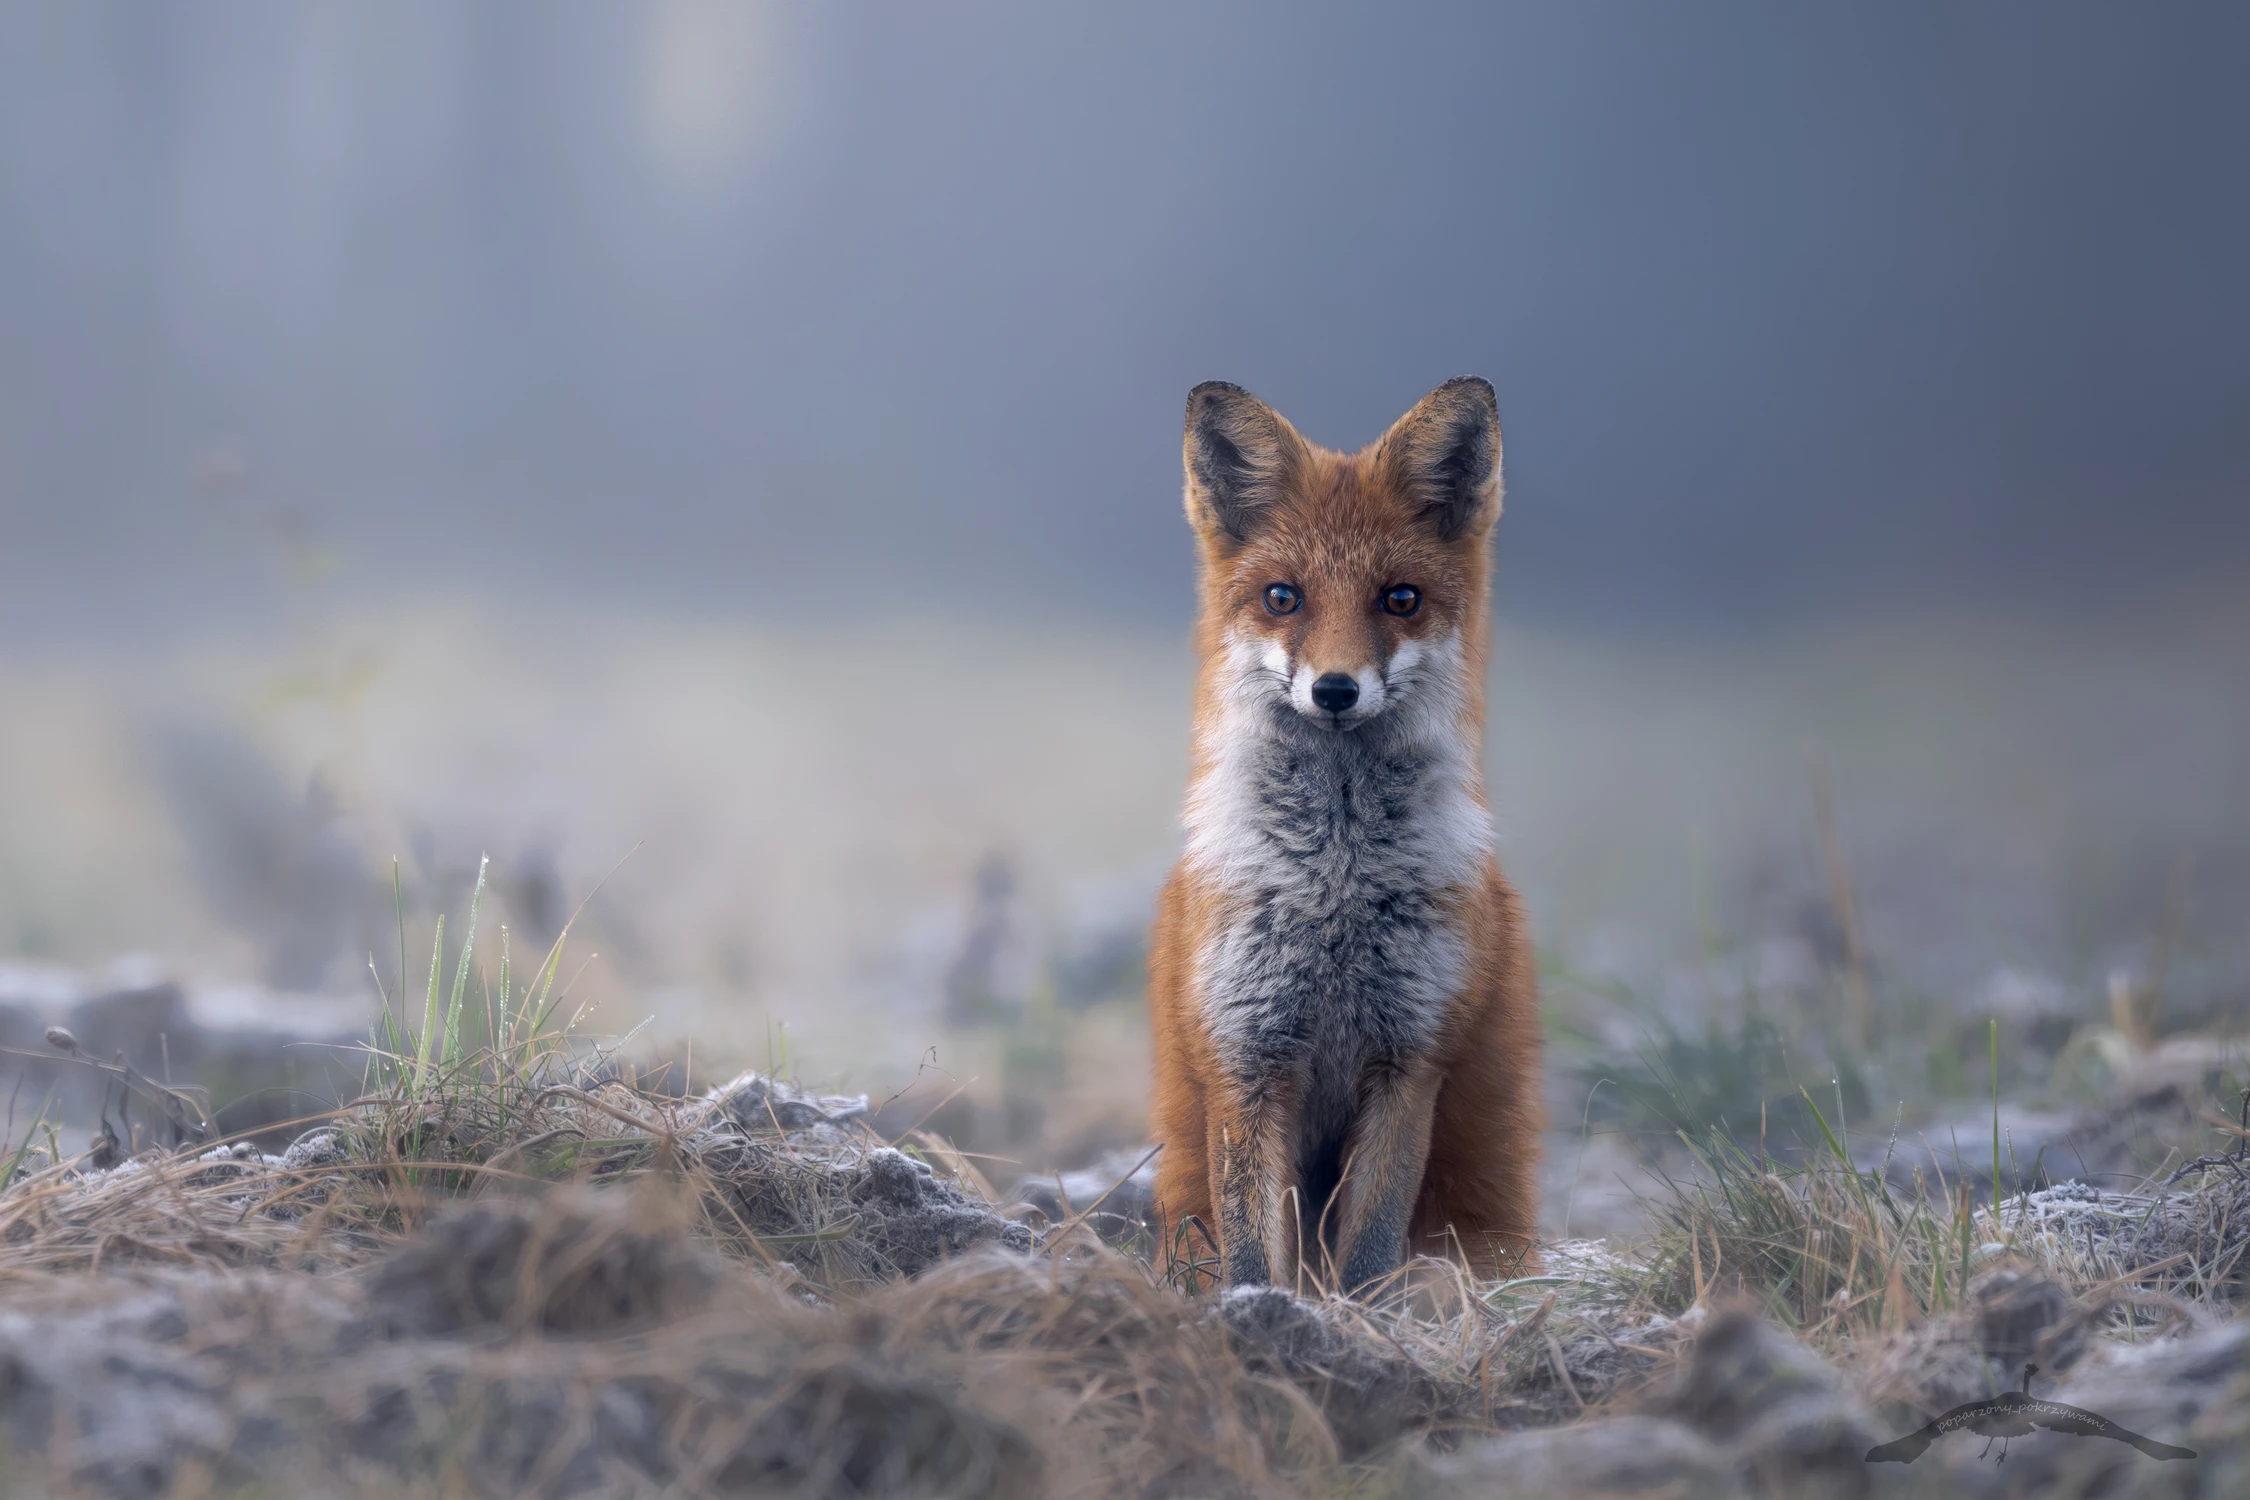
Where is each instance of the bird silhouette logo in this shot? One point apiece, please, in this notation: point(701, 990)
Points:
point(2015, 1414)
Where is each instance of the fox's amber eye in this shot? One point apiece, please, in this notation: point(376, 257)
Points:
point(1403, 600)
point(1282, 599)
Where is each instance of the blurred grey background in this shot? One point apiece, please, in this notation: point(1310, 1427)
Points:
point(747, 434)
point(799, 310)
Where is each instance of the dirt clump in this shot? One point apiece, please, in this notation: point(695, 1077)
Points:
point(2013, 1317)
point(1747, 1410)
point(1369, 1392)
point(561, 1346)
point(1774, 1404)
point(574, 1263)
point(1649, 1458)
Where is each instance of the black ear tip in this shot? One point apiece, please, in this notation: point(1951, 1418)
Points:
point(1476, 388)
point(1213, 399)
point(1214, 391)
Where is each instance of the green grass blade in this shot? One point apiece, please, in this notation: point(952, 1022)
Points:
point(500, 1025)
point(1993, 1047)
point(382, 1036)
point(461, 974)
point(15, 1161)
point(430, 1010)
point(1968, 1233)
point(398, 902)
point(1835, 1147)
point(546, 1004)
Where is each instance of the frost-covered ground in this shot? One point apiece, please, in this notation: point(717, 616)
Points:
point(515, 1274)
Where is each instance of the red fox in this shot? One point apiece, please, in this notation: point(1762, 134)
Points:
point(1340, 980)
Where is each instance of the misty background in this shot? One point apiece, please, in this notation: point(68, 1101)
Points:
point(808, 309)
point(746, 436)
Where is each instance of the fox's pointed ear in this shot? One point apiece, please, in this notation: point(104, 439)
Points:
point(1445, 454)
point(1240, 456)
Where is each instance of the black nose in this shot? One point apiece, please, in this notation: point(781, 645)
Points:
point(1334, 693)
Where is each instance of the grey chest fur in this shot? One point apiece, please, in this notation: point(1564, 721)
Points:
point(1339, 856)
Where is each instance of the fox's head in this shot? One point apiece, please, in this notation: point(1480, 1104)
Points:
point(1344, 586)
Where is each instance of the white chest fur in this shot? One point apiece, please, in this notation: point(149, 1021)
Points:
point(1341, 856)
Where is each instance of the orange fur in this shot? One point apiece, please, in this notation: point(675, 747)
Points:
point(1463, 1114)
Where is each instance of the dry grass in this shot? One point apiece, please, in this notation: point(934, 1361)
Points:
point(1836, 1253)
point(511, 1267)
point(476, 1350)
point(448, 1285)
point(520, 1273)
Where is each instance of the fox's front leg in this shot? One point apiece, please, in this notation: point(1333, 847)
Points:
point(1383, 1164)
point(1252, 1174)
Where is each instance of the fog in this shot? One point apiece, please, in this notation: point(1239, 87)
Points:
point(742, 442)
point(816, 312)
